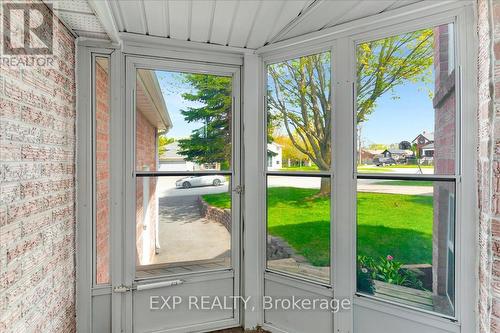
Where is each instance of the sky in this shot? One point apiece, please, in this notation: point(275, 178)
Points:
point(396, 120)
point(393, 120)
point(172, 88)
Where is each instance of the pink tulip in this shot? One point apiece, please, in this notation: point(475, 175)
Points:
point(389, 257)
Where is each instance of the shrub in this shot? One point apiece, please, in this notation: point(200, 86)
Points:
point(388, 270)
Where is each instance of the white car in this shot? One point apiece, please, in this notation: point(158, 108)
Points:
point(194, 181)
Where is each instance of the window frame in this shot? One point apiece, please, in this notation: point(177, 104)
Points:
point(455, 177)
point(343, 38)
point(278, 274)
point(133, 63)
point(94, 57)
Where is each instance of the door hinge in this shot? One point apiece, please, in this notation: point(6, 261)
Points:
point(239, 189)
point(122, 288)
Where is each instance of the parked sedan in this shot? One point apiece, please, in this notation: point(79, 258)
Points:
point(195, 181)
point(383, 161)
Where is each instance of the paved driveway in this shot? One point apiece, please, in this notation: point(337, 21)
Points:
point(184, 235)
point(364, 185)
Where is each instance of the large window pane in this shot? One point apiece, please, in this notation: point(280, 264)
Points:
point(405, 242)
point(183, 121)
point(406, 115)
point(298, 226)
point(183, 224)
point(299, 114)
point(101, 135)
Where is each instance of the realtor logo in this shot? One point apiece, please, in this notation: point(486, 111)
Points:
point(27, 29)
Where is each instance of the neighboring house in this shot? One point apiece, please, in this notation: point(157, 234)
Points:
point(428, 151)
point(274, 156)
point(151, 117)
point(399, 155)
point(367, 155)
point(171, 160)
point(422, 140)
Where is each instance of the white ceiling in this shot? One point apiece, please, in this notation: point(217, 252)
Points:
point(238, 23)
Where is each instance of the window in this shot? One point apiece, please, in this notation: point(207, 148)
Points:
point(183, 144)
point(405, 211)
point(299, 118)
point(101, 168)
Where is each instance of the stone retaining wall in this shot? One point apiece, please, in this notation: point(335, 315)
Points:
point(223, 216)
point(278, 248)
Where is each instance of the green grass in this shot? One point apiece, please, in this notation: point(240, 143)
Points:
point(220, 200)
point(399, 225)
point(406, 182)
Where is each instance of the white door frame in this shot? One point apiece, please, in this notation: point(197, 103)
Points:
point(132, 63)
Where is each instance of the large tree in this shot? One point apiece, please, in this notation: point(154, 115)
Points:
point(299, 89)
point(290, 152)
point(211, 142)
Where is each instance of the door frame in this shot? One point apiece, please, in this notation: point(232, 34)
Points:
point(132, 63)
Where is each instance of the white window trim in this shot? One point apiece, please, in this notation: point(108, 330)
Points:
point(342, 40)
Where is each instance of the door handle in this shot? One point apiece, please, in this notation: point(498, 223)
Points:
point(159, 284)
point(239, 189)
point(123, 288)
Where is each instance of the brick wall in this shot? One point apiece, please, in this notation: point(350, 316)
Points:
point(146, 210)
point(444, 156)
point(37, 215)
point(495, 221)
point(488, 170)
point(102, 169)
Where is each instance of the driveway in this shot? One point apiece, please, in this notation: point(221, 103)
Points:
point(184, 235)
point(364, 185)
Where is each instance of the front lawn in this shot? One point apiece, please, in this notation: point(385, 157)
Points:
point(399, 225)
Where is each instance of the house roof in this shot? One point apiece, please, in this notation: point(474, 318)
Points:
point(399, 151)
point(428, 135)
point(170, 153)
point(150, 100)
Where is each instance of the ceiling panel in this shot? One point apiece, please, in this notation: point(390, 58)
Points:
point(318, 16)
point(223, 21)
point(289, 12)
point(156, 18)
point(265, 21)
point(133, 16)
point(179, 18)
point(244, 20)
point(238, 23)
point(366, 8)
point(203, 14)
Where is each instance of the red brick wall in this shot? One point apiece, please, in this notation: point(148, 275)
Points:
point(444, 153)
point(37, 206)
point(102, 170)
point(145, 160)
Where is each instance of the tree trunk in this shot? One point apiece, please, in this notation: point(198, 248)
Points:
point(325, 187)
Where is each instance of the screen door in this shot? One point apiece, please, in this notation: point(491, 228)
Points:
point(182, 235)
